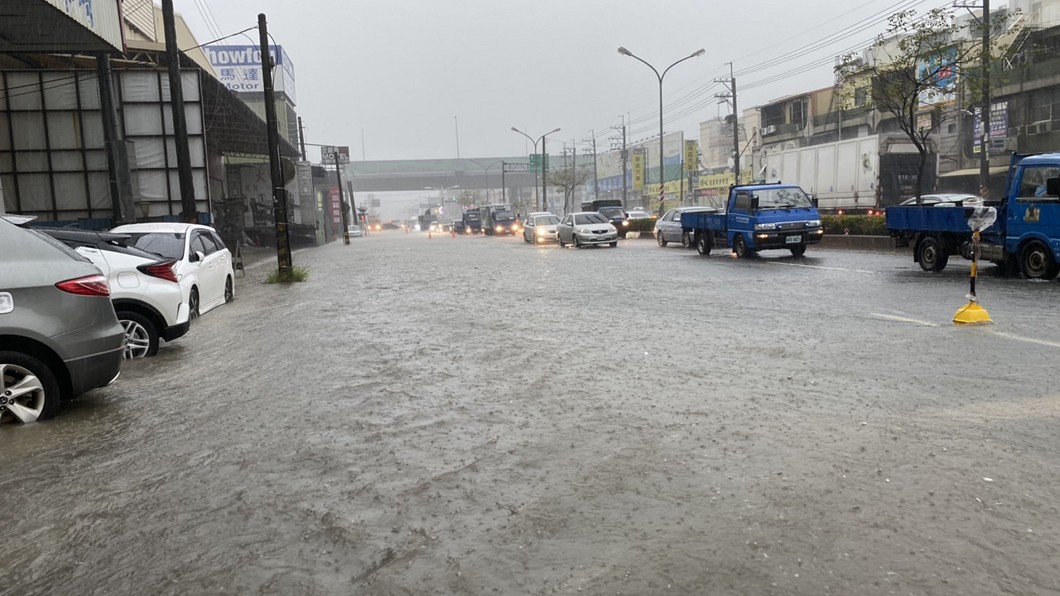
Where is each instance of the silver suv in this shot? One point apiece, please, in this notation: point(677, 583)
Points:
point(59, 336)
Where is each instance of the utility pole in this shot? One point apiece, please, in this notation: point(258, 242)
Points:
point(279, 194)
point(180, 123)
point(596, 177)
point(504, 199)
point(342, 202)
point(984, 117)
point(456, 124)
point(544, 175)
point(625, 163)
point(726, 97)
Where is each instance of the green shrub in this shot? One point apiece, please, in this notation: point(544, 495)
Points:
point(857, 225)
point(296, 274)
point(641, 225)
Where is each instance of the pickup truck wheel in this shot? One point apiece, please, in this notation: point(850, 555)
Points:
point(703, 243)
point(1037, 262)
point(739, 246)
point(798, 250)
point(686, 240)
point(931, 256)
point(660, 238)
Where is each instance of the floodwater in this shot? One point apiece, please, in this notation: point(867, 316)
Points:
point(479, 416)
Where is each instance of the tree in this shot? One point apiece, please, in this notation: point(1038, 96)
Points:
point(912, 72)
point(568, 179)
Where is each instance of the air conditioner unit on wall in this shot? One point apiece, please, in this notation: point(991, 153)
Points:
point(769, 130)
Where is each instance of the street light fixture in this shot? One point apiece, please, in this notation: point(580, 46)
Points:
point(544, 169)
point(486, 171)
point(625, 52)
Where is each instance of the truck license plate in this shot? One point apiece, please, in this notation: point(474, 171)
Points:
point(793, 239)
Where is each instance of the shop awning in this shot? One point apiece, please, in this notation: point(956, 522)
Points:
point(994, 171)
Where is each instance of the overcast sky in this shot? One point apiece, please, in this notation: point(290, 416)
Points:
point(426, 78)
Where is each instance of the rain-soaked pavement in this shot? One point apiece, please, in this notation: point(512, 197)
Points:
point(478, 416)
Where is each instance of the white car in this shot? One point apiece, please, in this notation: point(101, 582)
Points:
point(145, 292)
point(586, 227)
point(203, 263)
point(539, 228)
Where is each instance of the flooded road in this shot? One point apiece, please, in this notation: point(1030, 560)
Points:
point(479, 416)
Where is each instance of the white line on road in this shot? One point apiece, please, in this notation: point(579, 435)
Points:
point(899, 319)
point(820, 267)
point(1030, 340)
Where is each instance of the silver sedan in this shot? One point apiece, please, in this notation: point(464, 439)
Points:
point(585, 228)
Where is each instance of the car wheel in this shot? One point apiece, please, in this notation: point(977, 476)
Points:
point(686, 240)
point(931, 256)
point(660, 238)
point(739, 246)
point(560, 238)
point(1037, 262)
point(141, 335)
point(193, 303)
point(577, 243)
point(614, 244)
point(704, 243)
point(28, 389)
point(229, 294)
point(798, 250)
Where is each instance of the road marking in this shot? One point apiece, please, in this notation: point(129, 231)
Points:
point(1030, 340)
point(820, 267)
point(899, 319)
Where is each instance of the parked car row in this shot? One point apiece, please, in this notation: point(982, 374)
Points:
point(74, 303)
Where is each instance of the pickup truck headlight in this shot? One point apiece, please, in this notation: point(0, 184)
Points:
point(813, 223)
point(765, 226)
point(625, 223)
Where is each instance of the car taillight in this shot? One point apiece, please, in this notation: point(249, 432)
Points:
point(93, 285)
point(163, 270)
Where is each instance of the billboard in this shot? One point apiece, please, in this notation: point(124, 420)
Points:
point(638, 169)
point(239, 68)
point(101, 17)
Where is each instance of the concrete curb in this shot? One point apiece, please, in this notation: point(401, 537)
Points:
point(840, 242)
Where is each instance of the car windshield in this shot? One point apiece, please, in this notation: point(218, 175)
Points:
point(782, 198)
point(612, 212)
point(472, 216)
point(503, 214)
point(167, 244)
point(546, 220)
point(589, 218)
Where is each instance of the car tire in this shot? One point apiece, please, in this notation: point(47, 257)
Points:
point(141, 335)
point(798, 250)
point(229, 291)
point(18, 370)
point(614, 244)
point(931, 256)
point(686, 240)
point(739, 246)
point(661, 239)
point(704, 242)
point(1036, 262)
point(577, 243)
point(193, 304)
point(560, 239)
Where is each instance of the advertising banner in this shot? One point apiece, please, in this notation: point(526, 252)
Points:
point(637, 168)
point(239, 68)
point(691, 156)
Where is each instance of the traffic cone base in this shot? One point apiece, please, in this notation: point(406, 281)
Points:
point(971, 314)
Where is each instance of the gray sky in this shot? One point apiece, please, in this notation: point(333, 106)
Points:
point(419, 76)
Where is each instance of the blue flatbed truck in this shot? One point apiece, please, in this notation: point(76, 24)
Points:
point(758, 217)
point(1025, 236)
point(470, 222)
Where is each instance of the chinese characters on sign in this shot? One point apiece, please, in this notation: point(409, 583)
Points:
point(637, 168)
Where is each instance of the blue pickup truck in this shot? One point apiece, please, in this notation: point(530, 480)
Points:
point(1025, 237)
point(758, 217)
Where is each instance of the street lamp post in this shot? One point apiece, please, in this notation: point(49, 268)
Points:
point(544, 161)
point(625, 52)
point(486, 173)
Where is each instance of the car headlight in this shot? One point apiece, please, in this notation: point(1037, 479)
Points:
point(498, 229)
point(625, 223)
point(766, 226)
point(581, 230)
point(542, 232)
point(813, 223)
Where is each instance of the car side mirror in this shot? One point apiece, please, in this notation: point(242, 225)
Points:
point(197, 257)
point(1052, 187)
point(814, 201)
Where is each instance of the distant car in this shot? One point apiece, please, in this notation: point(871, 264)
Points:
point(60, 335)
point(355, 231)
point(934, 199)
point(618, 218)
point(540, 228)
point(203, 263)
point(637, 214)
point(585, 228)
point(147, 297)
point(668, 227)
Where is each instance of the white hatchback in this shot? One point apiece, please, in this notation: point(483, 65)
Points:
point(203, 263)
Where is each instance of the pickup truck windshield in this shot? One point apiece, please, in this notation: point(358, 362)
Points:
point(503, 215)
point(472, 216)
point(783, 198)
point(612, 212)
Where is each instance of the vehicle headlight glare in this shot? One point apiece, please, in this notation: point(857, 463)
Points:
point(766, 226)
point(813, 223)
